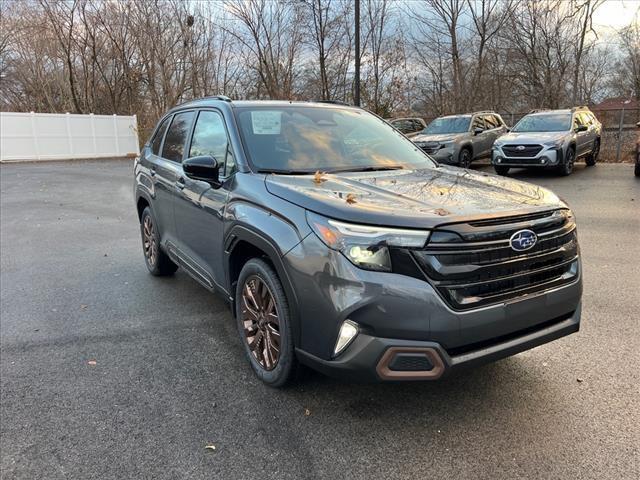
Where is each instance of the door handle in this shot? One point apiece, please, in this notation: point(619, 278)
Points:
point(180, 184)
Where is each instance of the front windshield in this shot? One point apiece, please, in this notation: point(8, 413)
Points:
point(448, 125)
point(304, 139)
point(549, 122)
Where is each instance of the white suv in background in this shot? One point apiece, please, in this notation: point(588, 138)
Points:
point(550, 139)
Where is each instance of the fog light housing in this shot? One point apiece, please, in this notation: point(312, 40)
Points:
point(348, 332)
point(544, 160)
point(498, 159)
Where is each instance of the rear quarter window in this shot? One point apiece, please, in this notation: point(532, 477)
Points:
point(156, 141)
point(173, 148)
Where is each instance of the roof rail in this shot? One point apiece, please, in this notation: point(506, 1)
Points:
point(223, 98)
point(581, 107)
point(483, 111)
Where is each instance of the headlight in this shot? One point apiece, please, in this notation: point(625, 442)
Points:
point(554, 143)
point(365, 246)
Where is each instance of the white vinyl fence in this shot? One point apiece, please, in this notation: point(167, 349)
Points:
point(53, 136)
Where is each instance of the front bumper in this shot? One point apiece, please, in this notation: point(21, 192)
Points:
point(447, 155)
point(368, 358)
point(547, 157)
point(399, 311)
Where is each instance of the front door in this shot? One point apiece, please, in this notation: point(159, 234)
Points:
point(200, 207)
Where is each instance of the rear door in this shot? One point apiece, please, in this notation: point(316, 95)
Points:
point(494, 128)
point(482, 141)
point(199, 206)
point(167, 171)
point(582, 138)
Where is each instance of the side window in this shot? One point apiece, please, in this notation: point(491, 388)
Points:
point(156, 141)
point(417, 126)
point(209, 137)
point(177, 134)
point(586, 119)
point(576, 121)
point(491, 122)
point(478, 122)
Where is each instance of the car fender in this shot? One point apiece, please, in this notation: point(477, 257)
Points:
point(274, 235)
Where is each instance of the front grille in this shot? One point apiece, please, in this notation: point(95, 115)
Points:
point(476, 265)
point(521, 150)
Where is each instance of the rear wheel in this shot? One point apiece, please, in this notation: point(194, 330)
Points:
point(157, 261)
point(501, 169)
point(464, 158)
point(593, 156)
point(567, 167)
point(264, 323)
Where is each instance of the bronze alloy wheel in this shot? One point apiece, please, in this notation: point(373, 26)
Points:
point(260, 322)
point(149, 241)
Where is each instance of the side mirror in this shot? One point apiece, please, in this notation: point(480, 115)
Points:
point(203, 168)
point(582, 128)
point(477, 131)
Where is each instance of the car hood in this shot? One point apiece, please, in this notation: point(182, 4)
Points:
point(412, 198)
point(530, 137)
point(445, 137)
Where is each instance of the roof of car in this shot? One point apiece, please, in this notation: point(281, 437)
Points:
point(216, 100)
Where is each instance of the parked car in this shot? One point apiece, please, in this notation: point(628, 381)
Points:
point(637, 169)
point(550, 139)
point(461, 139)
point(409, 126)
point(341, 246)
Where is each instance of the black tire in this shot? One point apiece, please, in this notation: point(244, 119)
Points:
point(158, 262)
point(592, 158)
point(465, 157)
point(637, 169)
point(567, 167)
point(501, 169)
point(286, 367)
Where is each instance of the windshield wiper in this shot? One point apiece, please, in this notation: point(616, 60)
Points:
point(375, 168)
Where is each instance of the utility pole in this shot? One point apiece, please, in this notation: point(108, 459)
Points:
point(356, 95)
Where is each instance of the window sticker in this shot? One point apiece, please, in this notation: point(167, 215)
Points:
point(266, 122)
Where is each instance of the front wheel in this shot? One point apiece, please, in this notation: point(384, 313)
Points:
point(593, 156)
point(501, 169)
point(464, 158)
point(567, 167)
point(264, 323)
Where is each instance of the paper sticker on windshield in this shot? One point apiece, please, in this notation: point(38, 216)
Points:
point(266, 122)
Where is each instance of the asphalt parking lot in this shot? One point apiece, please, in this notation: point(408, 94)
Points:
point(108, 372)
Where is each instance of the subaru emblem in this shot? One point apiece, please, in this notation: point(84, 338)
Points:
point(523, 240)
point(520, 147)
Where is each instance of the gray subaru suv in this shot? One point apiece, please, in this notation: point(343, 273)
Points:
point(342, 246)
point(550, 139)
point(461, 139)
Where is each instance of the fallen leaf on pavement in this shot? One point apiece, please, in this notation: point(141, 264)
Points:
point(83, 307)
point(307, 412)
point(92, 362)
point(210, 447)
point(351, 198)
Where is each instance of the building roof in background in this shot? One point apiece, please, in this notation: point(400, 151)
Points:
point(616, 103)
